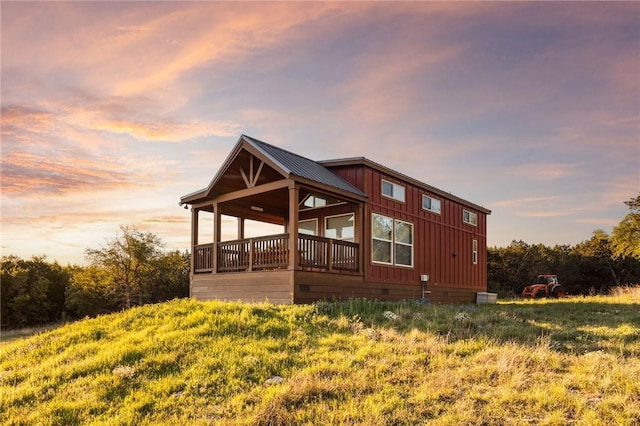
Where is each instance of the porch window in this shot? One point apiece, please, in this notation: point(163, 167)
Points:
point(392, 241)
point(340, 227)
point(313, 201)
point(308, 227)
point(393, 190)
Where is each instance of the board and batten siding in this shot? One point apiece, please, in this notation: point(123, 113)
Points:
point(443, 243)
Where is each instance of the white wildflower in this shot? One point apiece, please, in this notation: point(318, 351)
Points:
point(462, 316)
point(390, 315)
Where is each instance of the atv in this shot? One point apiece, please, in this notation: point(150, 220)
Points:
point(544, 286)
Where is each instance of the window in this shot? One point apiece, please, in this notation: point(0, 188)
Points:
point(308, 227)
point(340, 227)
point(475, 252)
point(470, 218)
point(403, 243)
point(392, 241)
point(313, 201)
point(392, 190)
point(431, 204)
point(382, 235)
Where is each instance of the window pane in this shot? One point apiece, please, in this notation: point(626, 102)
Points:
point(403, 255)
point(308, 227)
point(387, 188)
point(340, 227)
point(403, 232)
point(398, 192)
point(426, 203)
point(435, 206)
point(382, 227)
point(309, 201)
point(381, 251)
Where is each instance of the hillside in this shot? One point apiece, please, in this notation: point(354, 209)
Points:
point(371, 363)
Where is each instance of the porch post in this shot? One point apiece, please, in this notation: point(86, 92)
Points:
point(359, 235)
point(194, 236)
point(216, 237)
point(241, 228)
point(294, 193)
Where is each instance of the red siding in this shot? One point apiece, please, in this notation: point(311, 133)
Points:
point(437, 237)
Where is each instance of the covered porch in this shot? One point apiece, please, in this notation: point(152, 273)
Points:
point(276, 267)
point(309, 221)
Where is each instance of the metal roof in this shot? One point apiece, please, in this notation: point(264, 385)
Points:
point(302, 167)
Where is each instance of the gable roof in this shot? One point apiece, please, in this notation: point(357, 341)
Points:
point(296, 165)
point(290, 165)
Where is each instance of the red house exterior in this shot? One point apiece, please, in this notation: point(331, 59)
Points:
point(351, 228)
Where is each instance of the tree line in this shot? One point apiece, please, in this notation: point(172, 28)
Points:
point(132, 269)
point(592, 266)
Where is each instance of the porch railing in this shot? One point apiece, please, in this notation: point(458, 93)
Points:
point(272, 252)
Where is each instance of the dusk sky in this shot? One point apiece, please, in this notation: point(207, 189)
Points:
point(111, 111)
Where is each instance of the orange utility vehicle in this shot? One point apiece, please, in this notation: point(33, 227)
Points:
point(544, 286)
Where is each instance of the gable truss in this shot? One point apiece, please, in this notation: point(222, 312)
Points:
point(252, 179)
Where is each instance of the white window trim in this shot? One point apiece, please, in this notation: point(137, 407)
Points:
point(432, 199)
point(470, 214)
point(394, 186)
point(393, 243)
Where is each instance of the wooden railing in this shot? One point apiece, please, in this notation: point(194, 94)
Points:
point(272, 252)
point(202, 258)
point(344, 255)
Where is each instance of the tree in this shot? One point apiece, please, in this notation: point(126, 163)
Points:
point(32, 291)
point(625, 239)
point(598, 268)
point(90, 292)
point(170, 276)
point(128, 260)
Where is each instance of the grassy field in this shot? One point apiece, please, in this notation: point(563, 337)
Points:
point(556, 362)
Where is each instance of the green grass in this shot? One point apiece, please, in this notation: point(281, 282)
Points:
point(568, 361)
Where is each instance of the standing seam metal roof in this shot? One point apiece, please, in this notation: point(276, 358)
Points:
point(303, 167)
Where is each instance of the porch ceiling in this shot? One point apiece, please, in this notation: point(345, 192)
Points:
point(272, 206)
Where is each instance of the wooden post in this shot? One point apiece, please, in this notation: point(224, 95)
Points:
point(194, 237)
point(330, 255)
point(359, 236)
point(217, 226)
point(241, 228)
point(294, 193)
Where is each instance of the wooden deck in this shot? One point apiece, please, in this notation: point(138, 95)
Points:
point(257, 270)
point(282, 286)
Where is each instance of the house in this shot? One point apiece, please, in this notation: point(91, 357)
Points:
point(350, 228)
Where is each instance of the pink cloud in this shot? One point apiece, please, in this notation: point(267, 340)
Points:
point(27, 175)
